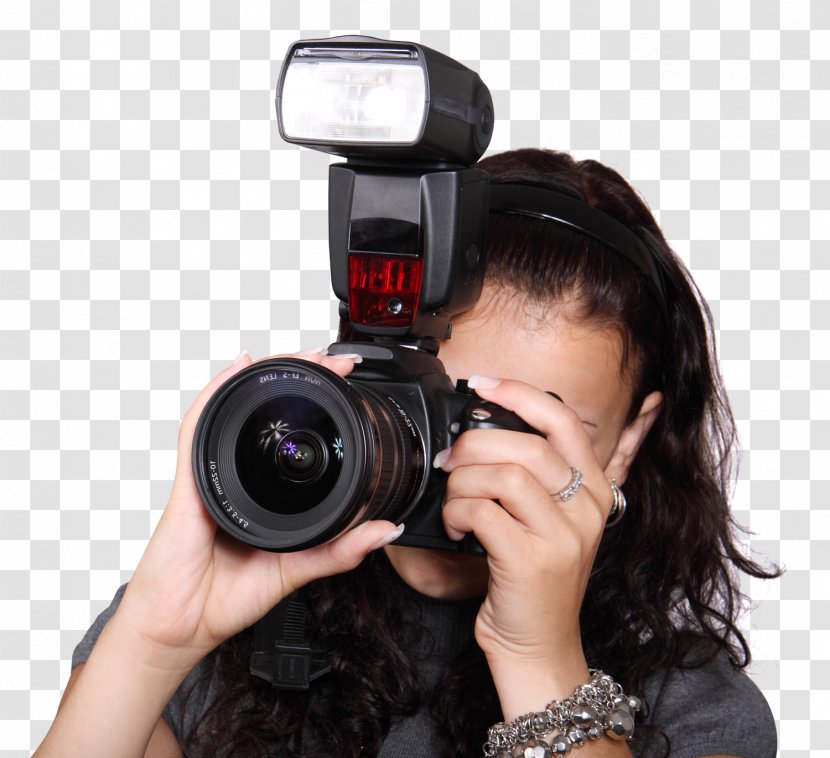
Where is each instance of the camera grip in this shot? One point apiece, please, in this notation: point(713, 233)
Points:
point(481, 414)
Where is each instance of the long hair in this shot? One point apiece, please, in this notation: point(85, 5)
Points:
point(665, 587)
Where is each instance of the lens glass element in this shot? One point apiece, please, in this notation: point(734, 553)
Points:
point(302, 456)
point(289, 454)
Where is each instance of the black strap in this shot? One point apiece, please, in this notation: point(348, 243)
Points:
point(528, 200)
point(281, 653)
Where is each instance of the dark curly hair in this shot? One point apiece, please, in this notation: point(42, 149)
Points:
point(665, 586)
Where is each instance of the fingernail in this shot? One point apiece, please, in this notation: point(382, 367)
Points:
point(312, 351)
point(441, 457)
point(391, 537)
point(479, 382)
point(454, 534)
point(357, 358)
point(240, 357)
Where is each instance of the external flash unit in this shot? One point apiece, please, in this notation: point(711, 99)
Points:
point(407, 214)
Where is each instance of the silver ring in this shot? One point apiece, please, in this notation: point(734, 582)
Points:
point(567, 492)
point(618, 507)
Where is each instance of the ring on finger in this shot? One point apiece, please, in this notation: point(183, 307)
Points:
point(567, 492)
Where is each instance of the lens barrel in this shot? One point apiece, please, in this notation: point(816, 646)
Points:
point(288, 454)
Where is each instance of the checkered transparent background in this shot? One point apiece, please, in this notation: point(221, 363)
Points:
point(152, 224)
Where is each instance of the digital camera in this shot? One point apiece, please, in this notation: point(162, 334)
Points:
point(287, 454)
point(290, 454)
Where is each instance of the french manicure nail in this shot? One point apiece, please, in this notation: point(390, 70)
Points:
point(356, 357)
point(479, 382)
point(391, 537)
point(312, 351)
point(240, 357)
point(441, 457)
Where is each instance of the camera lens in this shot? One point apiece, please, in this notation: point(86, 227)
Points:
point(287, 454)
point(301, 456)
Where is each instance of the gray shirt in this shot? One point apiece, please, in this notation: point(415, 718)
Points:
point(705, 711)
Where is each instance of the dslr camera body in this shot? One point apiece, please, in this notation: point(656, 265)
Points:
point(287, 454)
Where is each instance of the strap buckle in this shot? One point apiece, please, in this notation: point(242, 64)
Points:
point(289, 667)
point(281, 653)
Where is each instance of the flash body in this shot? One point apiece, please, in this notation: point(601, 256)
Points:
point(406, 247)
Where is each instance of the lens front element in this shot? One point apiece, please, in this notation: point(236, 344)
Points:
point(302, 457)
point(282, 454)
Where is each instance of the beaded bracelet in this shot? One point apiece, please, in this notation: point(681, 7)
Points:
point(597, 708)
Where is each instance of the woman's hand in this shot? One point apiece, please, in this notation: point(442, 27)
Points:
point(195, 585)
point(540, 550)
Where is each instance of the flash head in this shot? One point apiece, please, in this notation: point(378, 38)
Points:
point(372, 99)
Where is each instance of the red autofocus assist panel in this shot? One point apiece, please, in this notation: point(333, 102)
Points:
point(384, 289)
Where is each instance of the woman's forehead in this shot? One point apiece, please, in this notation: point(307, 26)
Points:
point(504, 337)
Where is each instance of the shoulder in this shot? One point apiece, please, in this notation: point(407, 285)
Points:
point(713, 709)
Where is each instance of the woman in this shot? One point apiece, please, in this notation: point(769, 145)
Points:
point(428, 649)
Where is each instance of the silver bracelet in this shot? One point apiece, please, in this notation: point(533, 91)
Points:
point(597, 708)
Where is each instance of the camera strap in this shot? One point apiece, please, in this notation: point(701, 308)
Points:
point(282, 655)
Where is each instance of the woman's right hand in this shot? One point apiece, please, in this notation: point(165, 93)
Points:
point(196, 586)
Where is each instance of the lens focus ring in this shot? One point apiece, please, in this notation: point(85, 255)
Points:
point(398, 455)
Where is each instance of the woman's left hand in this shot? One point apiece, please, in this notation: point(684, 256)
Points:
point(540, 549)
